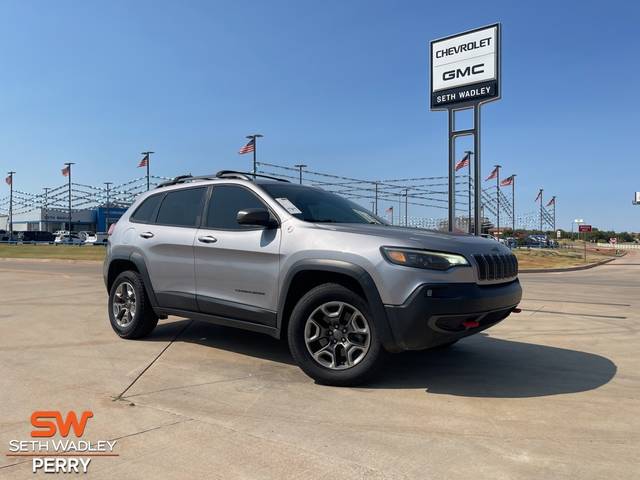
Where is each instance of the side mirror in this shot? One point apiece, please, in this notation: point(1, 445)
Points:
point(256, 216)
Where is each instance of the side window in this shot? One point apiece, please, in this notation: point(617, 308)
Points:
point(224, 205)
point(181, 207)
point(145, 211)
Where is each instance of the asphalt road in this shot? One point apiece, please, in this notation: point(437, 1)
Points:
point(552, 392)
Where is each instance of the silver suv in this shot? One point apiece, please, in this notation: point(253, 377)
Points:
point(293, 261)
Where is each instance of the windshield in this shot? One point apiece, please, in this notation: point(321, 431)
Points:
point(319, 206)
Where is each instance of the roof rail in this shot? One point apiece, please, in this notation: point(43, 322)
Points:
point(246, 175)
point(220, 174)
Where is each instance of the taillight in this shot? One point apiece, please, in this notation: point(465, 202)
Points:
point(113, 225)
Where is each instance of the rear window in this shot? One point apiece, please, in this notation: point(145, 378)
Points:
point(181, 208)
point(144, 213)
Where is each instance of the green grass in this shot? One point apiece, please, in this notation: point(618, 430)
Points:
point(54, 252)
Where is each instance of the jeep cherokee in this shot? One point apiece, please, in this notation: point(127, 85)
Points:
point(297, 262)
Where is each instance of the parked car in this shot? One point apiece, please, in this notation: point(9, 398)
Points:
point(35, 236)
point(293, 261)
point(99, 238)
point(68, 239)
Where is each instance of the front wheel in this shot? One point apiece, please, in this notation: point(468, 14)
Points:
point(332, 336)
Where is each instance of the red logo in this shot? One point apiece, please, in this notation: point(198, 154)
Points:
point(49, 422)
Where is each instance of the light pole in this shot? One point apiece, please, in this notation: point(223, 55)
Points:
point(106, 215)
point(406, 207)
point(10, 182)
point(68, 165)
point(299, 166)
point(46, 208)
point(147, 157)
point(255, 138)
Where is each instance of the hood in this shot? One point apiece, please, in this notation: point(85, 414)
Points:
point(419, 238)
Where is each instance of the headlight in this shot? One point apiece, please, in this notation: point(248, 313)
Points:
point(423, 258)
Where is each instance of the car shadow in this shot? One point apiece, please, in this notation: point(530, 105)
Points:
point(478, 366)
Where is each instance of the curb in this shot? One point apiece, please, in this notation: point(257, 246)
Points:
point(568, 269)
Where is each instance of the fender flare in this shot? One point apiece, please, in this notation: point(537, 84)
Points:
point(141, 266)
point(357, 273)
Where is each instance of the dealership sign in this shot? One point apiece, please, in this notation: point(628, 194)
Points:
point(465, 68)
point(584, 228)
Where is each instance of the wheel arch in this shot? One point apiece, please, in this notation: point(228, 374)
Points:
point(307, 274)
point(132, 262)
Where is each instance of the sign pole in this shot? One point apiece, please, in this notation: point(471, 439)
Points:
point(477, 192)
point(513, 205)
point(452, 171)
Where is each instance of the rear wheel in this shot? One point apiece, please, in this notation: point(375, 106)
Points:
point(130, 312)
point(332, 336)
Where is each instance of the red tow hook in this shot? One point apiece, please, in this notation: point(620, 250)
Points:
point(516, 310)
point(470, 324)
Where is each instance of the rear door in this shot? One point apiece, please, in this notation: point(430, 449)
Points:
point(166, 242)
point(237, 265)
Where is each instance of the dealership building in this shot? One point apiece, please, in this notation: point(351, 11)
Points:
point(51, 220)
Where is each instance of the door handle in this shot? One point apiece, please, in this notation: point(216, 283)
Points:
point(146, 235)
point(207, 239)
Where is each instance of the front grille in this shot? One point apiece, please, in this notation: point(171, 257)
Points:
point(496, 267)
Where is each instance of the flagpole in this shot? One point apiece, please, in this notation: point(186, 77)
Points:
point(540, 210)
point(68, 164)
point(255, 138)
point(406, 207)
point(11, 204)
point(148, 155)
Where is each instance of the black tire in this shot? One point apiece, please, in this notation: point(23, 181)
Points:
point(144, 319)
point(308, 304)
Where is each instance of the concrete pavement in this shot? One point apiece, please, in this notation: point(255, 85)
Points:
point(552, 392)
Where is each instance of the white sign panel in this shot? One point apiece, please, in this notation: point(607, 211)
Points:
point(637, 197)
point(465, 68)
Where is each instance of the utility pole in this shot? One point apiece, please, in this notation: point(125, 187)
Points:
point(10, 182)
point(255, 138)
point(148, 165)
point(68, 165)
point(497, 167)
point(406, 207)
point(106, 216)
point(376, 204)
point(300, 166)
point(46, 208)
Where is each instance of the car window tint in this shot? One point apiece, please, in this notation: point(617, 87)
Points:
point(181, 207)
point(144, 212)
point(225, 203)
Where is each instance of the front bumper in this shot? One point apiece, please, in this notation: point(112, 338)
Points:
point(436, 314)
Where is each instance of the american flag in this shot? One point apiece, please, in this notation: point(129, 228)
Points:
point(552, 201)
point(493, 174)
point(539, 196)
point(144, 162)
point(65, 171)
point(464, 162)
point(389, 210)
point(507, 181)
point(249, 147)
point(9, 180)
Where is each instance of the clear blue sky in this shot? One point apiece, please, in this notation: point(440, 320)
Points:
point(339, 85)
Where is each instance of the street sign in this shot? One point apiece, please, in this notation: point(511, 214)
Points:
point(584, 228)
point(465, 68)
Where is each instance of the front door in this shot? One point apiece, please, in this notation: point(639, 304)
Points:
point(237, 265)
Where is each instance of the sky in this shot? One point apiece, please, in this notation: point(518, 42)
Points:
point(339, 85)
